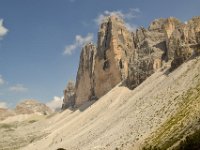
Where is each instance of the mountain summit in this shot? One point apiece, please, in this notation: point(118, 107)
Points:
point(130, 57)
point(134, 90)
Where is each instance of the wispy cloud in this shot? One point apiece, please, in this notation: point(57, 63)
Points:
point(2, 81)
point(3, 30)
point(18, 88)
point(79, 42)
point(127, 16)
point(56, 103)
point(3, 105)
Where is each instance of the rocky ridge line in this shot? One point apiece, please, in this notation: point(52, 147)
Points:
point(122, 55)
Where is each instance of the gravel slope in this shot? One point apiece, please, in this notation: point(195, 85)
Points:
point(122, 119)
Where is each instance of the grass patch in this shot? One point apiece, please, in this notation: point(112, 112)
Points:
point(174, 129)
point(7, 126)
point(191, 142)
point(32, 121)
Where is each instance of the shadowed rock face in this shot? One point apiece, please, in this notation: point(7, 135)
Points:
point(132, 57)
point(184, 42)
point(166, 40)
point(150, 50)
point(84, 90)
point(69, 99)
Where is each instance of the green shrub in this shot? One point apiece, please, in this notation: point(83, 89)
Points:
point(151, 148)
point(191, 142)
point(5, 126)
point(32, 121)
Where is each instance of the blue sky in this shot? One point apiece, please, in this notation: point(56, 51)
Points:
point(40, 40)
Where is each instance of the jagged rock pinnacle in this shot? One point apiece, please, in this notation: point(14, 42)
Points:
point(132, 57)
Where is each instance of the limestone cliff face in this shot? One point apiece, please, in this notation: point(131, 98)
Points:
point(115, 45)
point(150, 52)
point(69, 99)
point(122, 55)
point(184, 42)
point(84, 90)
point(102, 68)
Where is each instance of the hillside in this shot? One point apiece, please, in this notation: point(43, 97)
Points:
point(16, 129)
point(133, 90)
point(162, 110)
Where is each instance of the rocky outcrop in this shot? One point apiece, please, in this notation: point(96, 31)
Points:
point(32, 106)
point(102, 68)
point(115, 46)
point(122, 55)
point(166, 40)
point(184, 42)
point(150, 52)
point(25, 107)
point(69, 98)
point(85, 77)
point(84, 88)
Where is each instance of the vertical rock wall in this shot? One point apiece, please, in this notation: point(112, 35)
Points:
point(115, 45)
point(85, 76)
point(184, 42)
point(69, 99)
point(132, 57)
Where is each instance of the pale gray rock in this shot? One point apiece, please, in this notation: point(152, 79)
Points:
point(32, 106)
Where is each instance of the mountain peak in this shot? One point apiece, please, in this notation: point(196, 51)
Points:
point(132, 57)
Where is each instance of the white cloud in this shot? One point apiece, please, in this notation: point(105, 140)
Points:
point(70, 48)
point(56, 103)
point(18, 88)
point(2, 81)
point(127, 16)
point(99, 19)
point(79, 42)
point(3, 105)
point(3, 30)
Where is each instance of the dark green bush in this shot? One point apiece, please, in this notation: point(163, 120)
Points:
point(191, 142)
point(151, 148)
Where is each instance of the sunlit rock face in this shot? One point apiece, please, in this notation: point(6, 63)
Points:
point(115, 46)
point(131, 57)
point(84, 89)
